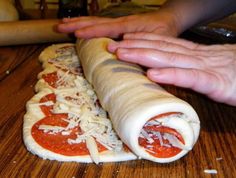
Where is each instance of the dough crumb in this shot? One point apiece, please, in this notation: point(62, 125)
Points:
point(210, 171)
point(218, 159)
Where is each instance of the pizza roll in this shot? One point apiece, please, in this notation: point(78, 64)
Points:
point(153, 123)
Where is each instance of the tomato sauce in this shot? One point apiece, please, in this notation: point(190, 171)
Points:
point(51, 79)
point(155, 148)
point(57, 142)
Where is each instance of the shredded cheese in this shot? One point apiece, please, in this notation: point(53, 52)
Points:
point(93, 150)
point(172, 139)
point(47, 103)
point(51, 129)
point(144, 134)
point(76, 98)
point(66, 59)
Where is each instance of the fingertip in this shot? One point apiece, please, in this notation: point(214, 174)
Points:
point(127, 36)
point(82, 34)
point(60, 27)
point(66, 19)
point(153, 74)
point(112, 47)
point(153, 71)
point(78, 34)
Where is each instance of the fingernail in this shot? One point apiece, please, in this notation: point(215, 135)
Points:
point(112, 47)
point(125, 36)
point(65, 19)
point(60, 27)
point(154, 72)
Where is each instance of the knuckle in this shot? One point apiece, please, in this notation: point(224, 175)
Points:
point(127, 43)
point(172, 58)
point(161, 44)
point(194, 75)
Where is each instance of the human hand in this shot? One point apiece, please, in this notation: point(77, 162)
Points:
point(210, 70)
point(88, 27)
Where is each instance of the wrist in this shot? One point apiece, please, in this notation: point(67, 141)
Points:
point(170, 21)
point(180, 15)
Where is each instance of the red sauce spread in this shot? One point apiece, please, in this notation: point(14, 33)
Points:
point(47, 110)
point(51, 79)
point(58, 143)
point(155, 148)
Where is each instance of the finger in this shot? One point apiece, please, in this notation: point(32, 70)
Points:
point(85, 18)
point(112, 29)
point(81, 22)
point(73, 26)
point(197, 80)
point(151, 44)
point(158, 59)
point(218, 47)
point(68, 20)
point(196, 49)
point(153, 36)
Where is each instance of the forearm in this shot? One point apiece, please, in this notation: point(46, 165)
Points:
point(187, 13)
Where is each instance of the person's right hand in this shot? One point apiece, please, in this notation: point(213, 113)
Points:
point(160, 22)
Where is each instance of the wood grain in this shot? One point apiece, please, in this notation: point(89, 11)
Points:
point(217, 138)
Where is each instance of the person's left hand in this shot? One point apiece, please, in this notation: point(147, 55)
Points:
point(210, 70)
point(161, 22)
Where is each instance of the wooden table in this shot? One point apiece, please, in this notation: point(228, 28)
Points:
point(19, 66)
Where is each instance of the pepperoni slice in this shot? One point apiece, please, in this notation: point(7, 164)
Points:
point(51, 79)
point(47, 110)
point(57, 142)
point(155, 148)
